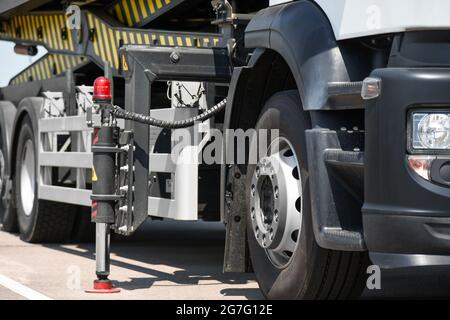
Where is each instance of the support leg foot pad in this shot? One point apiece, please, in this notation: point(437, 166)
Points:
point(103, 286)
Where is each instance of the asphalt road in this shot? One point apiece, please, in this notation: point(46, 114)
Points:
point(165, 260)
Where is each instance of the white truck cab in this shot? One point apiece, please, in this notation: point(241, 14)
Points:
point(359, 18)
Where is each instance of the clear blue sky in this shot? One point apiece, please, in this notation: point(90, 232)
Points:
point(11, 63)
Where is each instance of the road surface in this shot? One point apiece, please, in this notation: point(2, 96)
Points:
point(165, 260)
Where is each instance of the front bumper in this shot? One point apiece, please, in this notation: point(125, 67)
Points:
point(402, 212)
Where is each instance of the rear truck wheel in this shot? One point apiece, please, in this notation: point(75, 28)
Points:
point(8, 216)
point(39, 220)
point(287, 261)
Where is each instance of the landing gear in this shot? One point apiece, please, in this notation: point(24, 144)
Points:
point(104, 198)
point(102, 242)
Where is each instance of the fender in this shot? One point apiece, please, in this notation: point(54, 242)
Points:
point(302, 34)
point(7, 115)
point(30, 107)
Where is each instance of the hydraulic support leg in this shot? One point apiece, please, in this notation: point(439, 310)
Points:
point(104, 197)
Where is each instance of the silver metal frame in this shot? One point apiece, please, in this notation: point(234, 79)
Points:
point(183, 204)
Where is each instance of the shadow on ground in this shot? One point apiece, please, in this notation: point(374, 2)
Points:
point(195, 249)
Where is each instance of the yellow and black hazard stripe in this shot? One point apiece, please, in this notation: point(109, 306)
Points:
point(135, 13)
point(51, 30)
point(107, 40)
point(49, 66)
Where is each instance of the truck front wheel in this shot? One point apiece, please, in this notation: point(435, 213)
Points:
point(287, 261)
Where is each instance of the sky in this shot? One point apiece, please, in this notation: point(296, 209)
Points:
point(11, 63)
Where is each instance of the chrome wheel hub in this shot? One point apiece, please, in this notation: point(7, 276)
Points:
point(275, 207)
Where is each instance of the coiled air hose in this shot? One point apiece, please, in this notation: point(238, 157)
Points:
point(127, 115)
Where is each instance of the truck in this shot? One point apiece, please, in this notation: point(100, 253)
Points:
point(317, 131)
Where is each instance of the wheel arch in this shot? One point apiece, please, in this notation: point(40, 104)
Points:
point(297, 40)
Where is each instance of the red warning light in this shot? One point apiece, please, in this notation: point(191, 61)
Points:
point(102, 90)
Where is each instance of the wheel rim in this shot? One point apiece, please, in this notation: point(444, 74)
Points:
point(27, 178)
point(276, 202)
point(2, 172)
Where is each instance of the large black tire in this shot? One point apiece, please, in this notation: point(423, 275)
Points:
point(312, 272)
point(8, 215)
point(46, 221)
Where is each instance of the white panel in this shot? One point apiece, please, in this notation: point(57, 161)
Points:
point(161, 162)
point(66, 159)
point(357, 18)
point(65, 195)
point(74, 123)
point(275, 2)
point(184, 206)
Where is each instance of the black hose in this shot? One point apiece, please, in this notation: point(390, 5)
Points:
point(128, 115)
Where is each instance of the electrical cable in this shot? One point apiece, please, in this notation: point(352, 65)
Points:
point(137, 117)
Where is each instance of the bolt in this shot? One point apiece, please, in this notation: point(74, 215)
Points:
point(276, 192)
point(237, 175)
point(237, 218)
point(253, 190)
point(175, 57)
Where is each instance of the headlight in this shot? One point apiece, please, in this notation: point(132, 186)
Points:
point(431, 130)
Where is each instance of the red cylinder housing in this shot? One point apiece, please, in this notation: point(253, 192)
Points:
point(102, 90)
